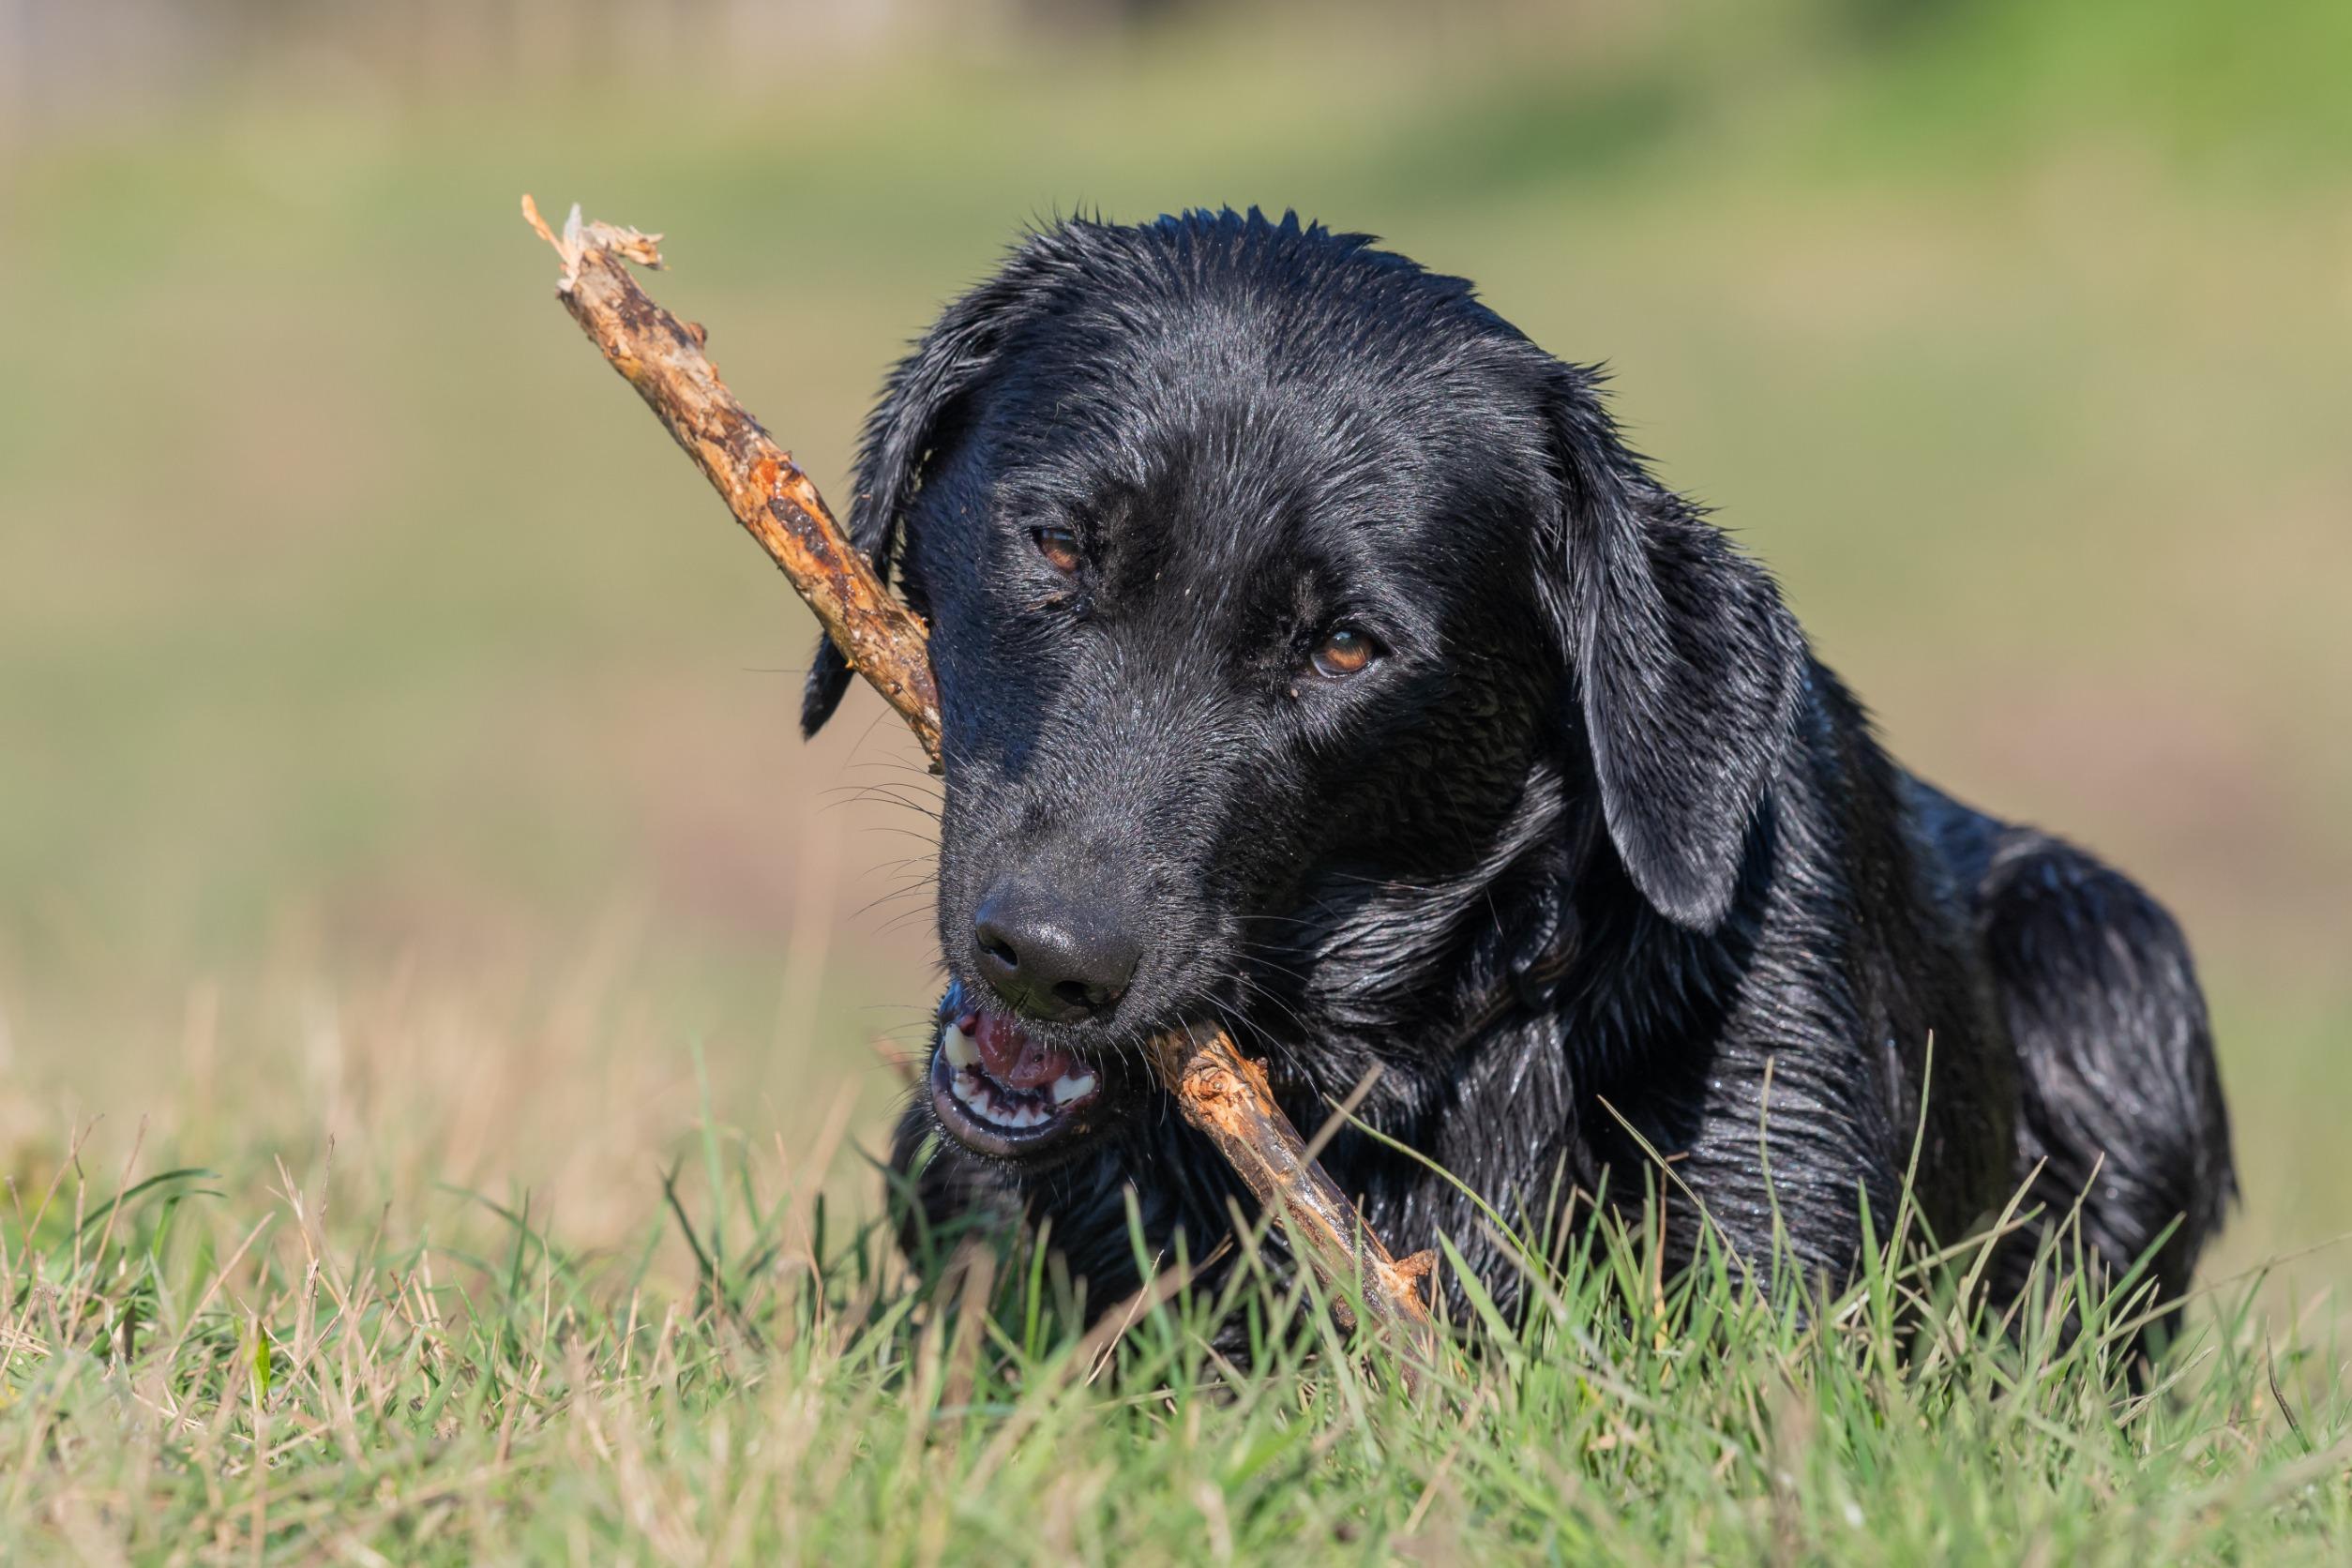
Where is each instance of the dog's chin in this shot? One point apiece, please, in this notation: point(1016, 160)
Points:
point(1001, 1093)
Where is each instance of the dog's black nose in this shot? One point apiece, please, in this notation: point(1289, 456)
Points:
point(1051, 956)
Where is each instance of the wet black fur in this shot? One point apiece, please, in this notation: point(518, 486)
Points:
point(1594, 853)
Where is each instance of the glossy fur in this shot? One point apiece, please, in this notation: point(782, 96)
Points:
point(1592, 855)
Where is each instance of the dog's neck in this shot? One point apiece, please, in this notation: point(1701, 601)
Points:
point(1538, 928)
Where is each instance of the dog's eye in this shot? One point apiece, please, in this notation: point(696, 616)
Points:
point(1059, 547)
point(1346, 652)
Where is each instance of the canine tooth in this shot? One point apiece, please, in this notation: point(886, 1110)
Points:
point(1066, 1088)
point(958, 1046)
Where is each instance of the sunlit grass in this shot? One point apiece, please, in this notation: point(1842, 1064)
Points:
point(193, 1373)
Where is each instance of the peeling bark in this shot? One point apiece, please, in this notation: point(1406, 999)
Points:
point(777, 505)
point(1226, 1096)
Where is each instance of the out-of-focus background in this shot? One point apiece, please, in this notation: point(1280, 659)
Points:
point(396, 741)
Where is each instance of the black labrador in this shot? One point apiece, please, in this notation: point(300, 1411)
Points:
point(1316, 658)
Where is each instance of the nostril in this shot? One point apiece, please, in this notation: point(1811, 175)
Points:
point(1049, 956)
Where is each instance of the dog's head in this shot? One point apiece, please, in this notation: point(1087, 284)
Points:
point(1260, 563)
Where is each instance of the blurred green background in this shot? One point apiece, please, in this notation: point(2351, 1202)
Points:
point(396, 740)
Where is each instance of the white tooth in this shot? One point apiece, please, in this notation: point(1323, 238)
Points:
point(1066, 1088)
point(958, 1046)
point(1033, 1116)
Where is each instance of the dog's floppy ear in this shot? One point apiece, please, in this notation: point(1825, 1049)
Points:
point(1686, 664)
point(912, 421)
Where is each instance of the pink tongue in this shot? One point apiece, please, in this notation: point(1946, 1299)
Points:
point(1015, 1060)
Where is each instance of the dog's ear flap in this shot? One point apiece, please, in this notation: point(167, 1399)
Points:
point(1686, 664)
point(911, 422)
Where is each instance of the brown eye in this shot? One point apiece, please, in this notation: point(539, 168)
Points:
point(1059, 547)
point(1346, 652)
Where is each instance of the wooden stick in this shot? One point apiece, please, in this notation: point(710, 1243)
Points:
point(662, 357)
point(1220, 1092)
point(1226, 1096)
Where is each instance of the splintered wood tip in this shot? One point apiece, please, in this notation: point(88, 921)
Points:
point(580, 238)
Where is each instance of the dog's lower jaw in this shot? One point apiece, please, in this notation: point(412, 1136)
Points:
point(1001, 1094)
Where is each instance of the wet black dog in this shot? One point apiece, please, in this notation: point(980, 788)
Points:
point(1316, 658)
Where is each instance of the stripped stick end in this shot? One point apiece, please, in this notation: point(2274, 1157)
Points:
point(580, 239)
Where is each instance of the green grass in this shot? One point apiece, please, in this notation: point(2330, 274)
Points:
point(191, 1378)
point(397, 774)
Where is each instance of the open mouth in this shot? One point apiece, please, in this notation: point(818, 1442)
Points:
point(997, 1092)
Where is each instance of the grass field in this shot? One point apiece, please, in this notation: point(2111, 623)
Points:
point(178, 1397)
point(403, 836)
